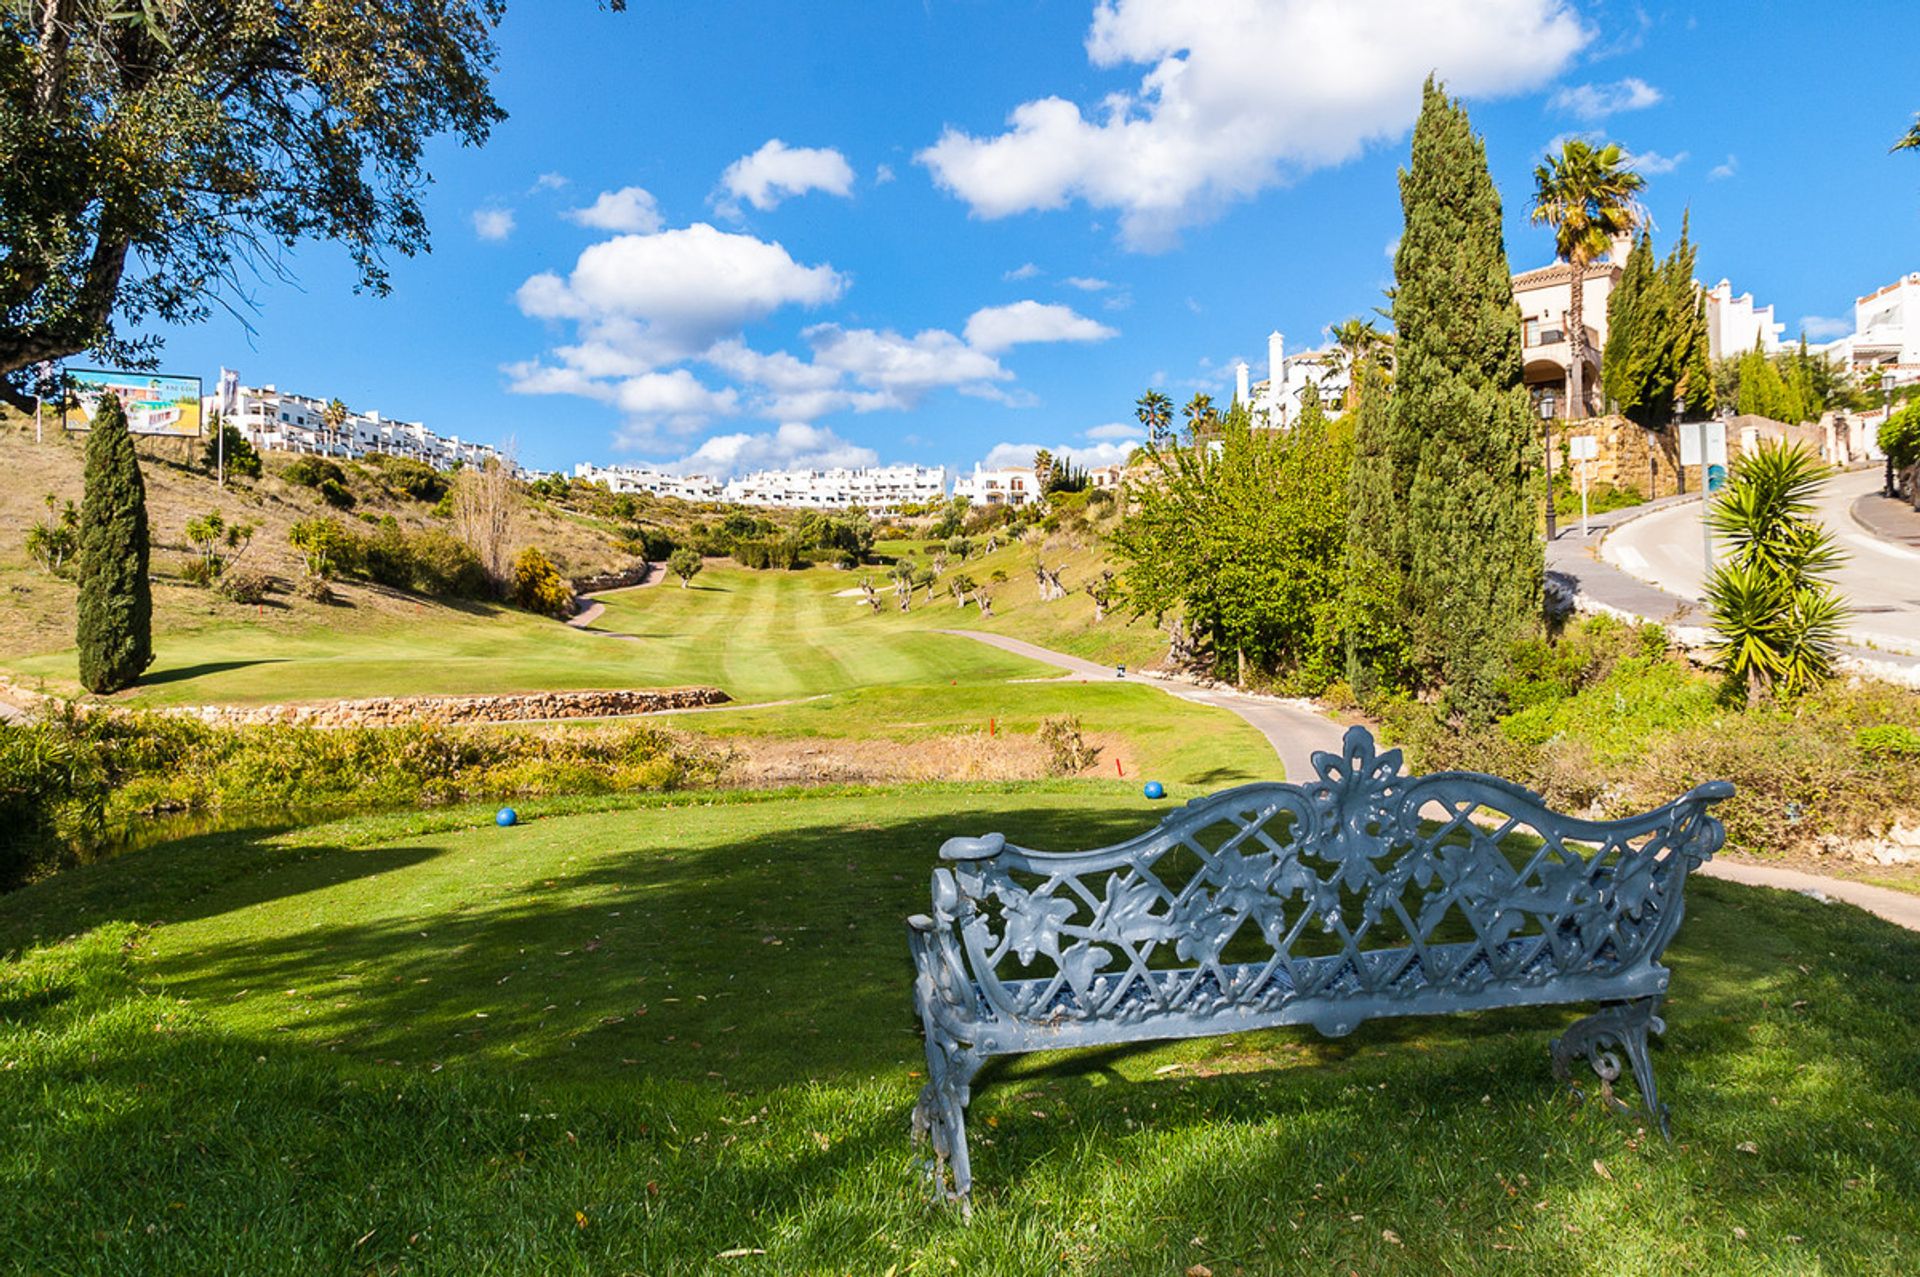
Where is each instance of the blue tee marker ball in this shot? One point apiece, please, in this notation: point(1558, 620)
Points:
point(1155, 789)
point(506, 816)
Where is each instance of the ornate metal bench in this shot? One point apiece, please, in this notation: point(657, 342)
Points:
point(1363, 894)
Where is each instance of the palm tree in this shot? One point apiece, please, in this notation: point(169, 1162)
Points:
point(1200, 412)
point(1587, 195)
point(1042, 469)
point(1357, 341)
point(335, 416)
point(1154, 411)
point(1911, 142)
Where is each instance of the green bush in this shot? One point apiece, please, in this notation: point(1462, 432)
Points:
point(311, 472)
point(404, 476)
point(446, 566)
point(243, 585)
point(1891, 740)
point(538, 586)
point(335, 494)
point(241, 456)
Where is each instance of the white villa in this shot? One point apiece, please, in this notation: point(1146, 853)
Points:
point(1273, 403)
point(1885, 340)
point(1011, 486)
point(881, 489)
point(274, 419)
point(638, 479)
point(1735, 325)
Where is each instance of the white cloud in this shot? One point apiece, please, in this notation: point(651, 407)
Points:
point(904, 368)
point(1824, 328)
point(1240, 94)
point(1595, 102)
point(1654, 164)
point(630, 208)
point(1122, 430)
point(1720, 172)
point(1027, 271)
point(996, 328)
point(678, 397)
point(794, 445)
point(1020, 455)
point(493, 224)
point(777, 171)
point(1086, 283)
point(882, 174)
point(549, 182)
point(672, 294)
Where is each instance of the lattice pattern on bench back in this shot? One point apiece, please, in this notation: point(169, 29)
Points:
point(1359, 891)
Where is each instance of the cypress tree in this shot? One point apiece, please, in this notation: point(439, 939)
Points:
point(1463, 438)
point(1373, 587)
point(114, 618)
point(1632, 332)
point(1690, 354)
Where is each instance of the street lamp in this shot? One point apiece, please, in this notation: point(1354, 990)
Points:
point(1546, 435)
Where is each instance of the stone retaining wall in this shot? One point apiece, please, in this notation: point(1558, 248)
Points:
point(620, 580)
point(394, 711)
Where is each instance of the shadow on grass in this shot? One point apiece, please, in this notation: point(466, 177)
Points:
point(183, 673)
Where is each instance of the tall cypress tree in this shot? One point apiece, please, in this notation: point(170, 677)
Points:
point(1690, 352)
point(1373, 586)
point(1464, 439)
point(1632, 332)
point(114, 621)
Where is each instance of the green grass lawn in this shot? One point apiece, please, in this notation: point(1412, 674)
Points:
point(641, 1038)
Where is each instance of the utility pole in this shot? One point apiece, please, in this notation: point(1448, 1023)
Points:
point(1706, 502)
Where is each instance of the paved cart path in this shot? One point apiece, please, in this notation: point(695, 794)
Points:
point(1293, 730)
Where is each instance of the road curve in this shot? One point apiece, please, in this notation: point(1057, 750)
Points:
point(1294, 731)
point(1879, 580)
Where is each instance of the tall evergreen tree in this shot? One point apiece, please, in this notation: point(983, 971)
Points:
point(1373, 588)
point(1633, 324)
point(1690, 352)
point(114, 619)
point(1463, 441)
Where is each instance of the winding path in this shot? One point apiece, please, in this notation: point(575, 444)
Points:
point(1296, 732)
point(1293, 730)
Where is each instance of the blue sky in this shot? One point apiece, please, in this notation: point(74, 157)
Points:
point(840, 232)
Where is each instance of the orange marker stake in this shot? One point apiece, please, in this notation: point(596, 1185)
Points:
point(1118, 769)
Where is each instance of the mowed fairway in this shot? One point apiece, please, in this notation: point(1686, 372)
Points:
point(678, 1039)
point(758, 635)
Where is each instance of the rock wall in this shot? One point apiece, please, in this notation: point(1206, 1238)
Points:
point(1648, 461)
point(636, 574)
point(394, 711)
point(18, 703)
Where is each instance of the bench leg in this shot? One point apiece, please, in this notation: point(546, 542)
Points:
point(940, 1115)
point(1600, 1038)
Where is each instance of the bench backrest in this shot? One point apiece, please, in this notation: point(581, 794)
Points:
point(1361, 886)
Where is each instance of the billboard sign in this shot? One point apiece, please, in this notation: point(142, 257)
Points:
point(156, 404)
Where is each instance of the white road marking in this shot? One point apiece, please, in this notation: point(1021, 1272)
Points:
point(1631, 559)
point(1872, 543)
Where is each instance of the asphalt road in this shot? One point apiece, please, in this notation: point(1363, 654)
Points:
point(1880, 580)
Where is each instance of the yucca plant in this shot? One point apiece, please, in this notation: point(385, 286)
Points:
point(1778, 619)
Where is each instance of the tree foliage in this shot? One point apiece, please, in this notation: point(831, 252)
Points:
point(1374, 602)
point(154, 152)
point(1242, 534)
point(1154, 411)
point(1466, 487)
point(685, 563)
point(1778, 619)
point(1657, 359)
point(114, 612)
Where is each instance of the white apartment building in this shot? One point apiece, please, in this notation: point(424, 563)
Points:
point(1735, 325)
point(284, 422)
point(1010, 486)
point(1886, 333)
point(1275, 402)
point(637, 479)
point(880, 489)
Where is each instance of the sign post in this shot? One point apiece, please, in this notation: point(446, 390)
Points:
point(1582, 449)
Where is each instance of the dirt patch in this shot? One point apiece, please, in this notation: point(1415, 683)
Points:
point(963, 756)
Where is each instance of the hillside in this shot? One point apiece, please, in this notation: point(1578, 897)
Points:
point(37, 618)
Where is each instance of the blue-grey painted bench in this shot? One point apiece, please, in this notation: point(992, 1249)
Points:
point(1362, 894)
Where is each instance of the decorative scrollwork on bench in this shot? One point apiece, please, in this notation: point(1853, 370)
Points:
point(1360, 894)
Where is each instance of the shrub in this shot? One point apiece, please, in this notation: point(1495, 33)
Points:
point(243, 585)
point(311, 472)
point(327, 547)
point(198, 572)
point(445, 565)
point(685, 564)
point(538, 586)
point(409, 478)
point(316, 590)
point(241, 457)
point(51, 542)
point(1067, 750)
point(1891, 740)
point(335, 494)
